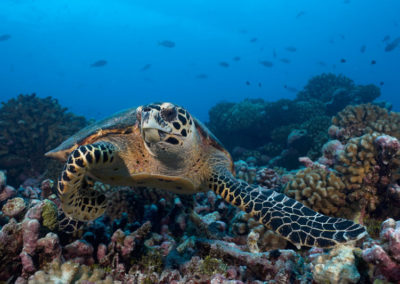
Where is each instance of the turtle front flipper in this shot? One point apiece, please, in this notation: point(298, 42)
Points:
point(286, 216)
point(79, 199)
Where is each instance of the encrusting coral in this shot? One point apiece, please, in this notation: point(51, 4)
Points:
point(385, 253)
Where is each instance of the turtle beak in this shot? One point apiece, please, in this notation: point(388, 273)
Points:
point(152, 126)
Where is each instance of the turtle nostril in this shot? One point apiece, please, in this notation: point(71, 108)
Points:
point(146, 109)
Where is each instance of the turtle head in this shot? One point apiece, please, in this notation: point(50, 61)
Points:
point(167, 129)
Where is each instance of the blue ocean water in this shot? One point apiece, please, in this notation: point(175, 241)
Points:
point(98, 56)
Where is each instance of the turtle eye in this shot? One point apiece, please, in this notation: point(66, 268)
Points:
point(169, 114)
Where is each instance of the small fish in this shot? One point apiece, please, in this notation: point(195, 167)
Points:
point(363, 48)
point(373, 62)
point(386, 38)
point(167, 43)
point(99, 63)
point(285, 60)
point(254, 39)
point(291, 49)
point(266, 63)
point(392, 45)
point(381, 83)
point(247, 83)
point(342, 60)
point(5, 37)
point(236, 58)
point(145, 67)
point(202, 76)
point(259, 84)
point(224, 64)
point(290, 89)
point(300, 14)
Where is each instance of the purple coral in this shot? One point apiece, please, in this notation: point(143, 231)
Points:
point(385, 255)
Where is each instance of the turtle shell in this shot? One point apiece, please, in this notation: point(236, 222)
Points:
point(120, 122)
point(209, 138)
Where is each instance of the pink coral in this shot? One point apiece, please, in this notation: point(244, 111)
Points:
point(14, 207)
point(268, 178)
point(7, 192)
point(80, 252)
point(386, 254)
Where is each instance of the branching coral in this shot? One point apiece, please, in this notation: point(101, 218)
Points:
point(29, 127)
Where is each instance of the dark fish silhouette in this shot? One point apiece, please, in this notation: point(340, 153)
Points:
point(99, 63)
point(373, 62)
point(392, 45)
point(167, 43)
point(247, 83)
point(224, 64)
point(291, 49)
point(363, 48)
point(145, 67)
point(300, 14)
point(342, 60)
point(202, 76)
point(290, 89)
point(266, 63)
point(285, 60)
point(254, 39)
point(5, 37)
point(259, 84)
point(381, 83)
point(236, 58)
point(386, 38)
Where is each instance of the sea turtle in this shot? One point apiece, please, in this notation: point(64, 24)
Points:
point(161, 145)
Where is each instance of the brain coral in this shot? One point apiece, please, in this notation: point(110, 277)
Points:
point(29, 127)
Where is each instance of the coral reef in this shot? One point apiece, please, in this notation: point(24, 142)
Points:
point(355, 121)
point(337, 91)
point(384, 255)
point(318, 188)
point(30, 126)
point(260, 128)
point(154, 236)
point(368, 165)
point(339, 265)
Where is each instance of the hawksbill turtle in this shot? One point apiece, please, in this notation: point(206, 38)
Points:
point(161, 145)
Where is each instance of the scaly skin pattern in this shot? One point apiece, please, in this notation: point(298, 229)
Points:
point(286, 216)
point(79, 199)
